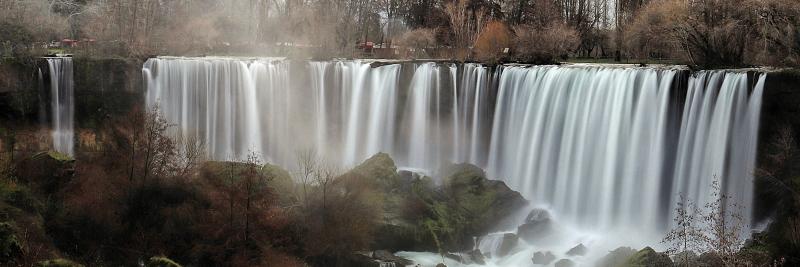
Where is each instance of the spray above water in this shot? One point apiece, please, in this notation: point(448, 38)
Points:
point(605, 148)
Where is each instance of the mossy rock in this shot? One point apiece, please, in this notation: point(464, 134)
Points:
point(484, 202)
point(46, 172)
point(160, 261)
point(616, 257)
point(58, 263)
point(648, 257)
point(380, 167)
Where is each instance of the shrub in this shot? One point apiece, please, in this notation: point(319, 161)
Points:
point(492, 41)
point(545, 44)
point(418, 40)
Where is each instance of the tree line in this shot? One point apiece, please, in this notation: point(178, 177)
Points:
point(702, 32)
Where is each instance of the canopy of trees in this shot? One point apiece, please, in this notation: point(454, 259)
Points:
point(703, 32)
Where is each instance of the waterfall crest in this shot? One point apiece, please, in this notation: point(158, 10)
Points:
point(604, 147)
point(62, 104)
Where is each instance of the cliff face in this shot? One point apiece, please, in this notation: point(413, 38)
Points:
point(779, 136)
point(104, 89)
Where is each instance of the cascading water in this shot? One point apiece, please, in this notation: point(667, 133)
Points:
point(605, 148)
point(62, 104)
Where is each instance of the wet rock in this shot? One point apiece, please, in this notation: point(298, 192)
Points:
point(649, 257)
point(538, 224)
point(509, 242)
point(543, 258)
point(441, 265)
point(616, 257)
point(387, 256)
point(477, 257)
point(564, 263)
point(578, 250)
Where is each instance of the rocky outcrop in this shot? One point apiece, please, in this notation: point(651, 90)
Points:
point(537, 225)
point(421, 216)
point(509, 242)
point(46, 172)
point(578, 250)
point(543, 258)
point(616, 257)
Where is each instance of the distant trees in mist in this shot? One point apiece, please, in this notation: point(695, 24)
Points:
point(703, 32)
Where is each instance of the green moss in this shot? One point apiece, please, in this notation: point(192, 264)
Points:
point(381, 168)
point(161, 262)
point(648, 257)
point(59, 156)
point(58, 263)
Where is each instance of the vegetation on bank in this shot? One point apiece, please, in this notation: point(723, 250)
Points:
point(149, 198)
point(709, 33)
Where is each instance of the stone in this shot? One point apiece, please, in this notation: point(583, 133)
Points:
point(578, 250)
point(509, 243)
point(477, 257)
point(441, 265)
point(564, 263)
point(538, 224)
point(46, 172)
point(386, 256)
point(543, 258)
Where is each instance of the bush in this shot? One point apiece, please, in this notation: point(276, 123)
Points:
point(10, 248)
point(15, 39)
point(418, 40)
point(492, 42)
point(545, 44)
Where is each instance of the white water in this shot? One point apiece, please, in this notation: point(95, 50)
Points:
point(607, 149)
point(62, 104)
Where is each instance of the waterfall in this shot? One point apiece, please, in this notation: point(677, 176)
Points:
point(62, 104)
point(603, 147)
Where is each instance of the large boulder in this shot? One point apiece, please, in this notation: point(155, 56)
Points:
point(578, 250)
point(483, 202)
point(46, 172)
point(649, 257)
point(543, 258)
point(509, 242)
point(380, 167)
point(616, 257)
point(538, 224)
